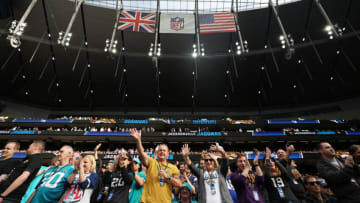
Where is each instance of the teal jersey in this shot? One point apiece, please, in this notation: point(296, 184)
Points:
point(136, 190)
point(33, 185)
point(53, 184)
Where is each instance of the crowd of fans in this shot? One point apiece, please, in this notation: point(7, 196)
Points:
point(73, 178)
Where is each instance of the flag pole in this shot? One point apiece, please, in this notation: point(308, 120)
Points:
point(241, 48)
point(197, 31)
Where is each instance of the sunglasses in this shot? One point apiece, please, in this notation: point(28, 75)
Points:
point(313, 183)
point(206, 160)
point(124, 159)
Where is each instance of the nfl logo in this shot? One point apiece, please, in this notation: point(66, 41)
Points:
point(177, 23)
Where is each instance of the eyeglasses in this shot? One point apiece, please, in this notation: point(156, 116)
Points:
point(206, 160)
point(313, 183)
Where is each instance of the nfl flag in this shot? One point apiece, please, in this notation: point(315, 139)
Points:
point(137, 21)
point(177, 23)
point(217, 22)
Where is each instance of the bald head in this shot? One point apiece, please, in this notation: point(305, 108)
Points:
point(65, 153)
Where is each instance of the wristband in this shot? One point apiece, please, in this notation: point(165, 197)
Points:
point(1, 196)
point(169, 178)
point(256, 165)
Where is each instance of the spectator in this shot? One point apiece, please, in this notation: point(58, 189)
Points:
point(31, 189)
point(138, 182)
point(7, 163)
point(121, 180)
point(276, 181)
point(202, 164)
point(230, 186)
point(295, 182)
point(82, 182)
point(53, 183)
point(247, 184)
point(161, 176)
point(14, 186)
point(355, 153)
point(338, 175)
point(313, 194)
point(212, 180)
point(185, 194)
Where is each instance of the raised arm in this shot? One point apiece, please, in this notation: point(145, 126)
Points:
point(185, 151)
point(224, 162)
point(96, 151)
point(289, 150)
point(137, 136)
point(256, 165)
point(267, 163)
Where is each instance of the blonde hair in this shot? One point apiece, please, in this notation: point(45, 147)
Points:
point(93, 163)
point(213, 158)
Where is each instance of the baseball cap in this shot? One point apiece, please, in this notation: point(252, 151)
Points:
point(186, 186)
point(137, 160)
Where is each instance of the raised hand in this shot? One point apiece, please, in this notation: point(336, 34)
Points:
point(185, 150)
point(290, 148)
point(217, 148)
point(268, 152)
point(135, 133)
point(97, 147)
point(256, 160)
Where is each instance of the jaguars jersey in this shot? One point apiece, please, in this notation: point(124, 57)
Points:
point(52, 186)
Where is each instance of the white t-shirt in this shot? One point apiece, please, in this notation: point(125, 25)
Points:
point(212, 178)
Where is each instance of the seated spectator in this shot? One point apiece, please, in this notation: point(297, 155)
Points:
point(338, 175)
point(138, 182)
point(82, 182)
point(247, 183)
point(7, 163)
point(276, 180)
point(185, 194)
point(14, 186)
point(52, 186)
point(313, 194)
point(212, 180)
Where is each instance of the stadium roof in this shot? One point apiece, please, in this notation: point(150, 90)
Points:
point(321, 69)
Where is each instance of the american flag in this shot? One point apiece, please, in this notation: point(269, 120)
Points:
point(137, 21)
point(217, 22)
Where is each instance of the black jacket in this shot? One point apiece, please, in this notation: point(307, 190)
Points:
point(339, 181)
point(311, 198)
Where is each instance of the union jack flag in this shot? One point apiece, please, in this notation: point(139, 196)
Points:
point(137, 21)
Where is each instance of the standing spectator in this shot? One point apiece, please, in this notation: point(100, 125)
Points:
point(14, 186)
point(313, 194)
point(82, 182)
point(53, 183)
point(161, 176)
point(355, 153)
point(202, 164)
point(246, 182)
point(295, 182)
point(338, 175)
point(212, 180)
point(121, 180)
point(138, 182)
point(31, 189)
point(7, 162)
point(276, 181)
